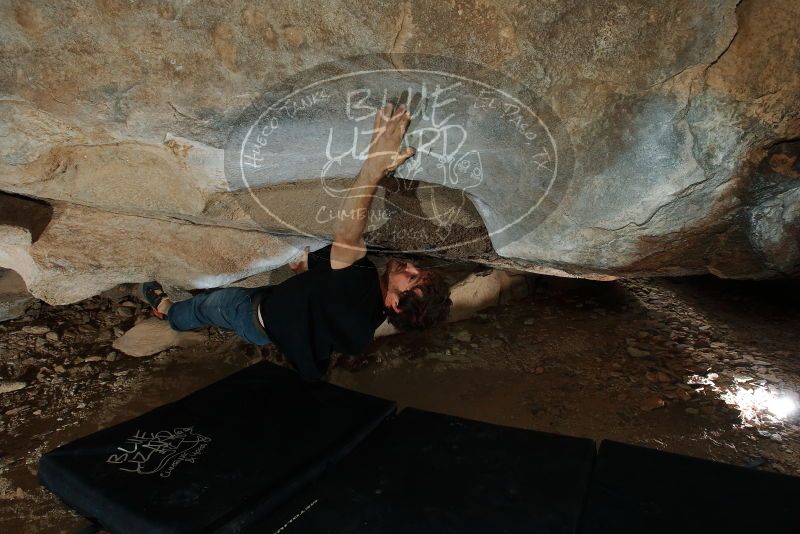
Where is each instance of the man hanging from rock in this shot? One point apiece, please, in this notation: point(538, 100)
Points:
point(338, 298)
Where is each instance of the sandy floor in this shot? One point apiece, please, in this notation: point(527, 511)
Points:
point(685, 365)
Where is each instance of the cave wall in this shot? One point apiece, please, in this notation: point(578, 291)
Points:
point(682, 118)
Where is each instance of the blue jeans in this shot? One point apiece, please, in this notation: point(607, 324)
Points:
point(230, 308)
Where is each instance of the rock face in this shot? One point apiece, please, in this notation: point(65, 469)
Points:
point(83, 251)
point(677, 128)
point(14, 296)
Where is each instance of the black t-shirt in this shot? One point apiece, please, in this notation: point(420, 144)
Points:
point(321, 310)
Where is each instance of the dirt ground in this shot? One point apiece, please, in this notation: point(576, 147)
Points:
point(695, 365)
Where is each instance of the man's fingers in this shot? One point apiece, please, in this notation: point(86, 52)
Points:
point(389, 117)
point(382, 116)
point(377, 124)
point(402, 156)
point(407, 152)
point(404, 97)
point(402, 117)
point(386, 113)
point(400, 120)
point(405, 120)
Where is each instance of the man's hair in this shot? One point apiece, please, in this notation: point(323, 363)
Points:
point(425, 310)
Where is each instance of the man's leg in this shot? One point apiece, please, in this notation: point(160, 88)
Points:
point(204, 309)
point(229, 308)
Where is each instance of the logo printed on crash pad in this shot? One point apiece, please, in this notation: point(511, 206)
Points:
point(150, 453)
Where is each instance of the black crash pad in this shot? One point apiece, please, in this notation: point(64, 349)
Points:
point(215, 459)
point(422, 472)
point(637, 489)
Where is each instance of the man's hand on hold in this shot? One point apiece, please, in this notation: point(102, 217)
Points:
point(384, 156)
point(388, 131)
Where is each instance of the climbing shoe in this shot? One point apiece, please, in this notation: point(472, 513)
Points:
point(153, 294)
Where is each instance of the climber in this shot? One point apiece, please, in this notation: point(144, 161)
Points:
point(337, 299)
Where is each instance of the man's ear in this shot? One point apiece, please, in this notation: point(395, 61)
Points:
point(394, 302)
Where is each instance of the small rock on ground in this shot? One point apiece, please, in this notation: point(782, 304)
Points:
point(637, 353)
point(462, 335)
point(36, 330)
point(7, 386)
point(152, 336)
point(651, 403)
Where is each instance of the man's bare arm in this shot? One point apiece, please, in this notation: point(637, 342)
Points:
point(300, 265)
point(384, 157)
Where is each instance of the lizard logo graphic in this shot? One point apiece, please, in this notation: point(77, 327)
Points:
point(150, 453)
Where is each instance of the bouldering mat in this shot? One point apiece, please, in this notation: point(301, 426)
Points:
point(216, 459)
point(636, 489)
point(423, 472)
